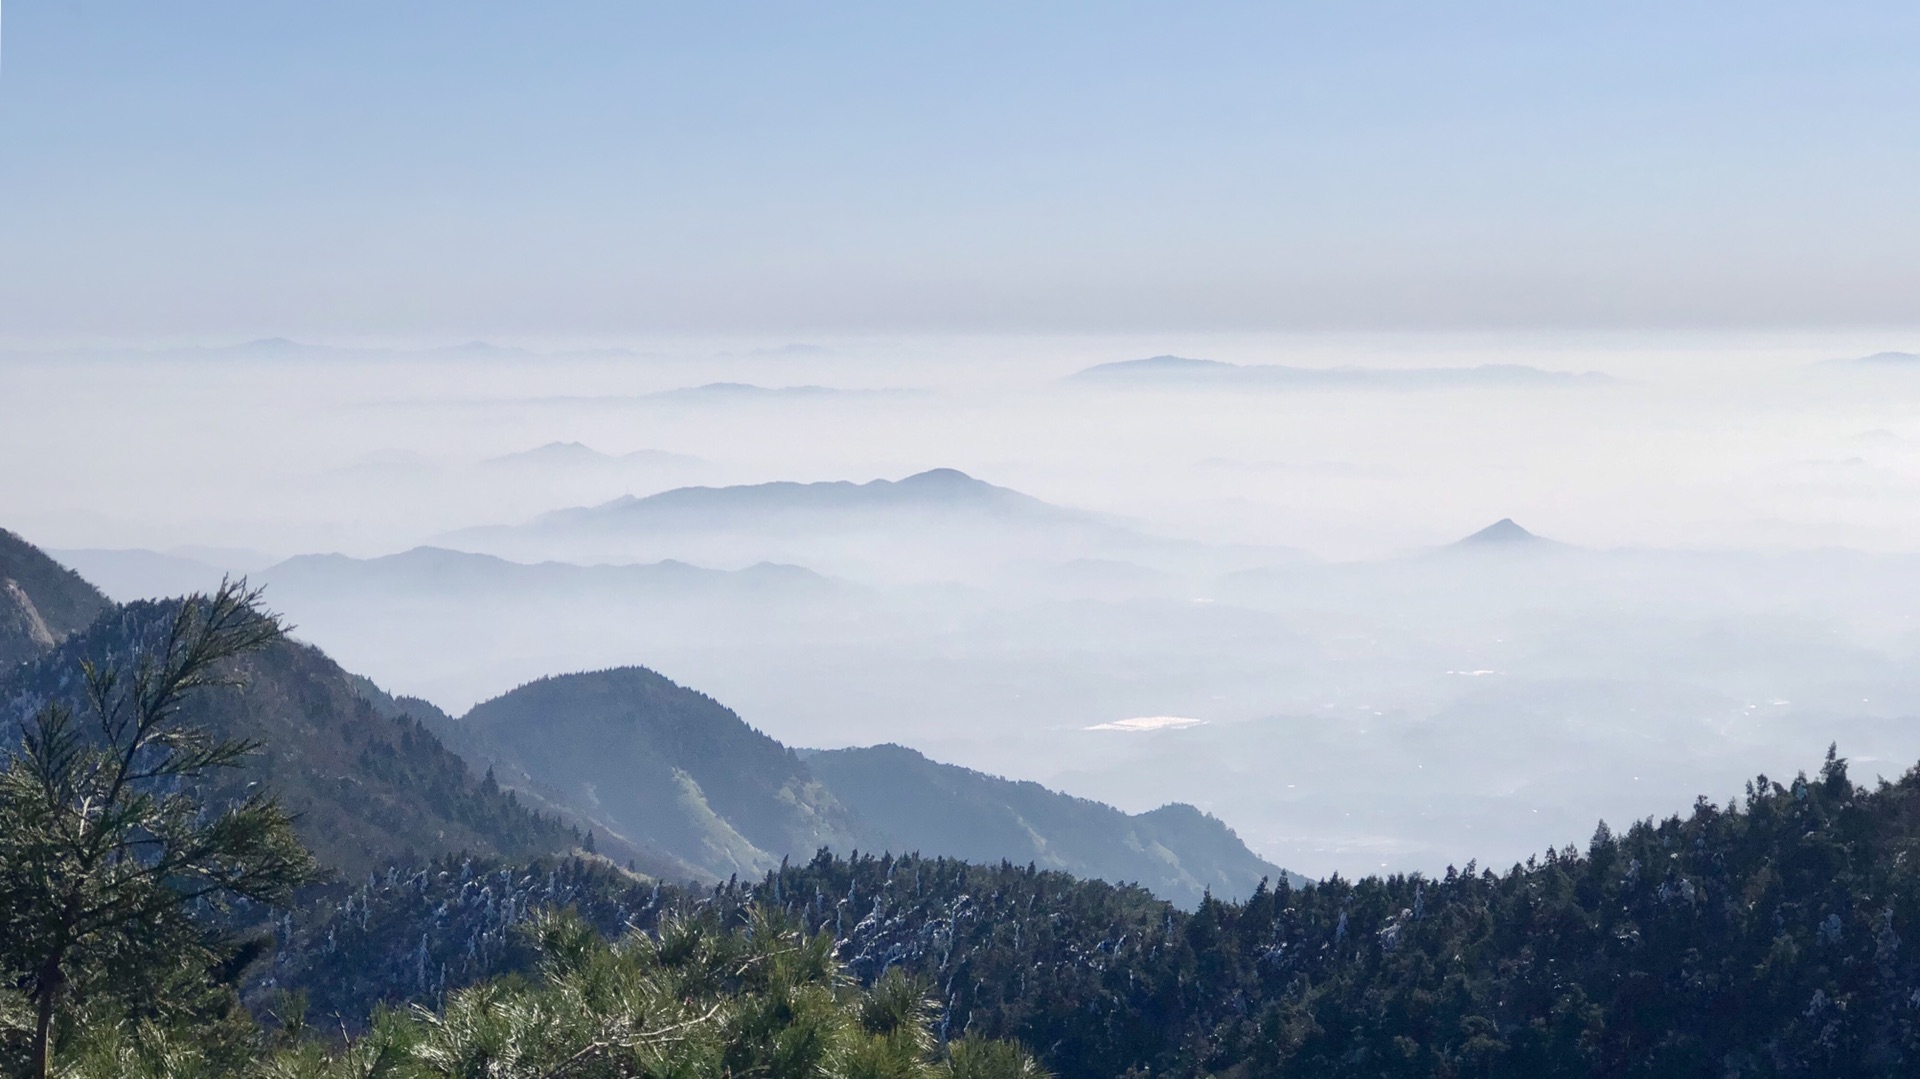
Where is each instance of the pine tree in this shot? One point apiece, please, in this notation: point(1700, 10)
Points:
point(106, 850)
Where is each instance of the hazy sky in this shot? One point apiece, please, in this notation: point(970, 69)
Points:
point(194, 170)
point(944, 210)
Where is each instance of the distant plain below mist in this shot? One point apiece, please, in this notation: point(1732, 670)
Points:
point(1249, 600)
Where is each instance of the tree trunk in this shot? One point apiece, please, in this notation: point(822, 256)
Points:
point(46, 993)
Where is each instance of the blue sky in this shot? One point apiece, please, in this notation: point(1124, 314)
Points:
point(432, 169)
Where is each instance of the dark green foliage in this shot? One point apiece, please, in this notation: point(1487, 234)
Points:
point(365, 790)
point(981, 1058)
point(409, 937)
point(994, 943)
point(1766, 939)
point(112, 869)
point(691, 998)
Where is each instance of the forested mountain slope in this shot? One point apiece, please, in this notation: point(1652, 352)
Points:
point(667, 770)
point(41, 601)
point(501, 771)
point(1766, 938)
point(366, 790)
point(920, 805)
point(664, 767)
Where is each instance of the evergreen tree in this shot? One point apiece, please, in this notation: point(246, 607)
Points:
point(112, 869)
point(691, 999)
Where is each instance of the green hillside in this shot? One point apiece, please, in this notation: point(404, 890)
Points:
point(1176, 851)
point(367, 790)
point(652, 766)
point(663, 767)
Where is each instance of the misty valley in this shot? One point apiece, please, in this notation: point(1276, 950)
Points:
point(628, 540)
point(1474, 699)
point(1020, 784)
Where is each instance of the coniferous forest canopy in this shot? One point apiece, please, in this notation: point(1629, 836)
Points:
point(163, 916)
point(620, 539)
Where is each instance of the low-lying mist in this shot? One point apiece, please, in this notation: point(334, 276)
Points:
point(1710, 576)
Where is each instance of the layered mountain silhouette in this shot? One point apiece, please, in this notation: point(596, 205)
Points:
point(41, 602)
point(1175, 371)
point(664, 767)
point(283, 348)
point(662, 777)
point(426, 571)
point(936, 491)
point(669, 771)
point(462, 627)
point(581, 455)
point(938, 524)
point(1176, 851)
point(366, 790)
point(127, 574)
point(1881, 359)
point(728, 392)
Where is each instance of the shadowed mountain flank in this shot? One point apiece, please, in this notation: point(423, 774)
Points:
point(920, 805)
point(665, 768)
point(41, 602)
point(676, 775)
point(366, 790)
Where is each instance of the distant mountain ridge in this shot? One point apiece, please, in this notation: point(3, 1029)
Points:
point(1504, 533)
point(1883, 360)
point(284, 347)
point(1177, 852)
point(664, 767)
point(578, 454)
point(130, 574)
point(934, 489)
point(746, 391)
point(1184, 371)
point(936, 524)
point(366, 790)
point(423, 569)
point(670, 780)
point(672, 772)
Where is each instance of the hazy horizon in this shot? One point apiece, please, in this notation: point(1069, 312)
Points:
point(1695, 440)
point(1246, 559)
point(288, 281)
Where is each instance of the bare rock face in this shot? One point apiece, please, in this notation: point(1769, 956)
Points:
point(41, 602)
point(20, 619)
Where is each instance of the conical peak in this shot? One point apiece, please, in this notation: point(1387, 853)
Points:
point(1502, 531)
